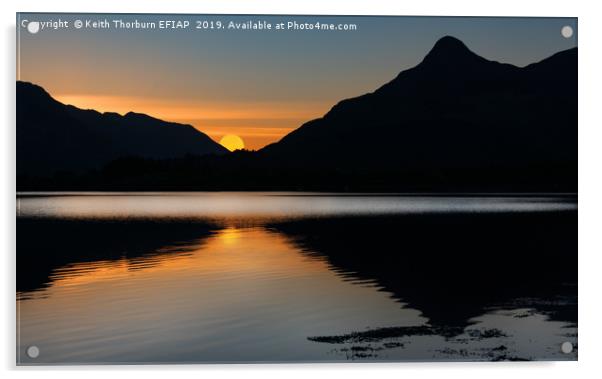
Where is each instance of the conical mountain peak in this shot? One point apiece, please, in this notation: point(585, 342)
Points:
point(449, 48)
point(450, 43)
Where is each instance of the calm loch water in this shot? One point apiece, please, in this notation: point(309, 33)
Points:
point(287, 277)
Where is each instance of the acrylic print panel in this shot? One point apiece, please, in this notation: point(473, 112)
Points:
point(288, 188)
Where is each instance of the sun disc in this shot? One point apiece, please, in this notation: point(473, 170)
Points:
point(232, 142)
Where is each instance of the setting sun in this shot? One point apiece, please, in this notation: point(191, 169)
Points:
point(232, 142)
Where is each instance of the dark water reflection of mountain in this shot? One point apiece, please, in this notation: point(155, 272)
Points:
point(45, 244)
point(453, 266)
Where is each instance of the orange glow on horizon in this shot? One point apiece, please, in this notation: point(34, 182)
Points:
point(256, 123)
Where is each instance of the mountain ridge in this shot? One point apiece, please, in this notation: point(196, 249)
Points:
point(497, 114)
point(49, 135)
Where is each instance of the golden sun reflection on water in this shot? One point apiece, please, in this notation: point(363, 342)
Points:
point(222, 253)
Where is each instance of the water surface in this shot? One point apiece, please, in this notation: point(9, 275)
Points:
point(285, 277)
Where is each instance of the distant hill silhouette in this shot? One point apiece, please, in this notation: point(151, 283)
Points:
point(456, 122)
point(453, 111)
point(53, 137)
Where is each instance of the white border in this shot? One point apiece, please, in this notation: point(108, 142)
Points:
point(590, 189)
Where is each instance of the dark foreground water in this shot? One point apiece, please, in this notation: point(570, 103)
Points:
point(251, 277)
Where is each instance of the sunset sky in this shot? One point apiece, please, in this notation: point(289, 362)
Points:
point(258, 85)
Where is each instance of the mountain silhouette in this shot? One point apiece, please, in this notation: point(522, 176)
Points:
point(54, 137)
point(455, 112)
point(456, 122)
